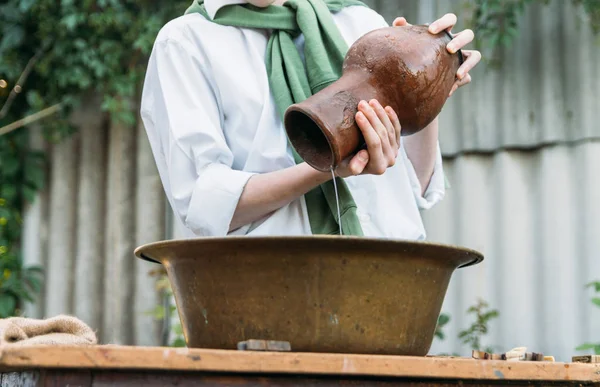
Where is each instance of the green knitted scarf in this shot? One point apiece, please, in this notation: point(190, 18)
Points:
point(290, 82)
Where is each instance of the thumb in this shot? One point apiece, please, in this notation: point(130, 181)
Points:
point(359, 162)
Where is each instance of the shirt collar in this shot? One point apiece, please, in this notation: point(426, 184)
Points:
point(212, 6)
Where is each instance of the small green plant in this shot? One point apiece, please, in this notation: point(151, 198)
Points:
point(178, 340)
point(596, 301)
point(483, 315)
point(167, 312)
point(471, 336)
point(18, 284)
point(443, 319)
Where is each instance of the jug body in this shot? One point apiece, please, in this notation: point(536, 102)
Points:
point(406, 68)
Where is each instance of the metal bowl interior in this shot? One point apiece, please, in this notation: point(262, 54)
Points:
point(320, 293)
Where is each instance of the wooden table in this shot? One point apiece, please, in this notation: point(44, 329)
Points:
point(143, 366)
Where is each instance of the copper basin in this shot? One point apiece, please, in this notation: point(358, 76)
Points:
point(320, 293)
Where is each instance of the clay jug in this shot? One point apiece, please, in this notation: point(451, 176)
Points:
point(407, 68)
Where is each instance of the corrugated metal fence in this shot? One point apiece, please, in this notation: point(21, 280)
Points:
point(521, 146)
point(104, 198)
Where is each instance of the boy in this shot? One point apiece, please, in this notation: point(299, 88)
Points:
point(217, 136)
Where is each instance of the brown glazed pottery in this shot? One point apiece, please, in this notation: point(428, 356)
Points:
point(406, 68)
point(319, 293)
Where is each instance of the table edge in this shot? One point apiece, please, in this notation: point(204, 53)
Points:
point(166, 359)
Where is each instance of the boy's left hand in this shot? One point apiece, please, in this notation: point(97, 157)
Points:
point(461, 39)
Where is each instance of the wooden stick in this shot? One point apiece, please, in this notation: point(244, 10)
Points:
point(516, 354)
point(29, 119)
point(595, 359)
point(264, 345)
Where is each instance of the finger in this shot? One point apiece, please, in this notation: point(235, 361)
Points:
point(376, 123)
point(454, 87)
point(399, 22)
point(373, 142)
point(389, 151)
point(358, 163)
point(384, 118)
point(396, 122)
point(446, 22)
point(460, 40)
point(473, 57)
point(460, 83)
point(466, 79)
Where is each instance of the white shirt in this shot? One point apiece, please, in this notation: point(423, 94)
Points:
point(212, 123)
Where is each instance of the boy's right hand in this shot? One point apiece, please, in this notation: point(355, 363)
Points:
point(381, 129)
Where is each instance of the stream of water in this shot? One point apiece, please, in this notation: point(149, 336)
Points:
point(337, 201)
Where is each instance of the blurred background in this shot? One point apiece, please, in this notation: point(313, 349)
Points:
point(79, 189)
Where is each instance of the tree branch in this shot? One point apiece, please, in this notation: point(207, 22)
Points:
point(19, 85)
point(29, 119)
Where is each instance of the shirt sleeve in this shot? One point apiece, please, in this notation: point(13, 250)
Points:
point(437, 185)
point(181, 114)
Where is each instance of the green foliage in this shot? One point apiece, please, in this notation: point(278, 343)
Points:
point(443, 319)
point(483, 315)
point(168, 314)
point(178, 340)
point(589, 346)
point(88, 45)
point(473, 335)
point(496, 22)
point(56, 52)
point(21, 175)
point(592, 8)
point(596, 301)
point(17, 284)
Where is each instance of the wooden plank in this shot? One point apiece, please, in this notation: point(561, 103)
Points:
point(142, 378)
point(60, 378)
point(183, 359)
point(154, 379)
point(203, 380)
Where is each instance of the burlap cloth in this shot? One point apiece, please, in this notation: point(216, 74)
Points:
point(59, 330)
